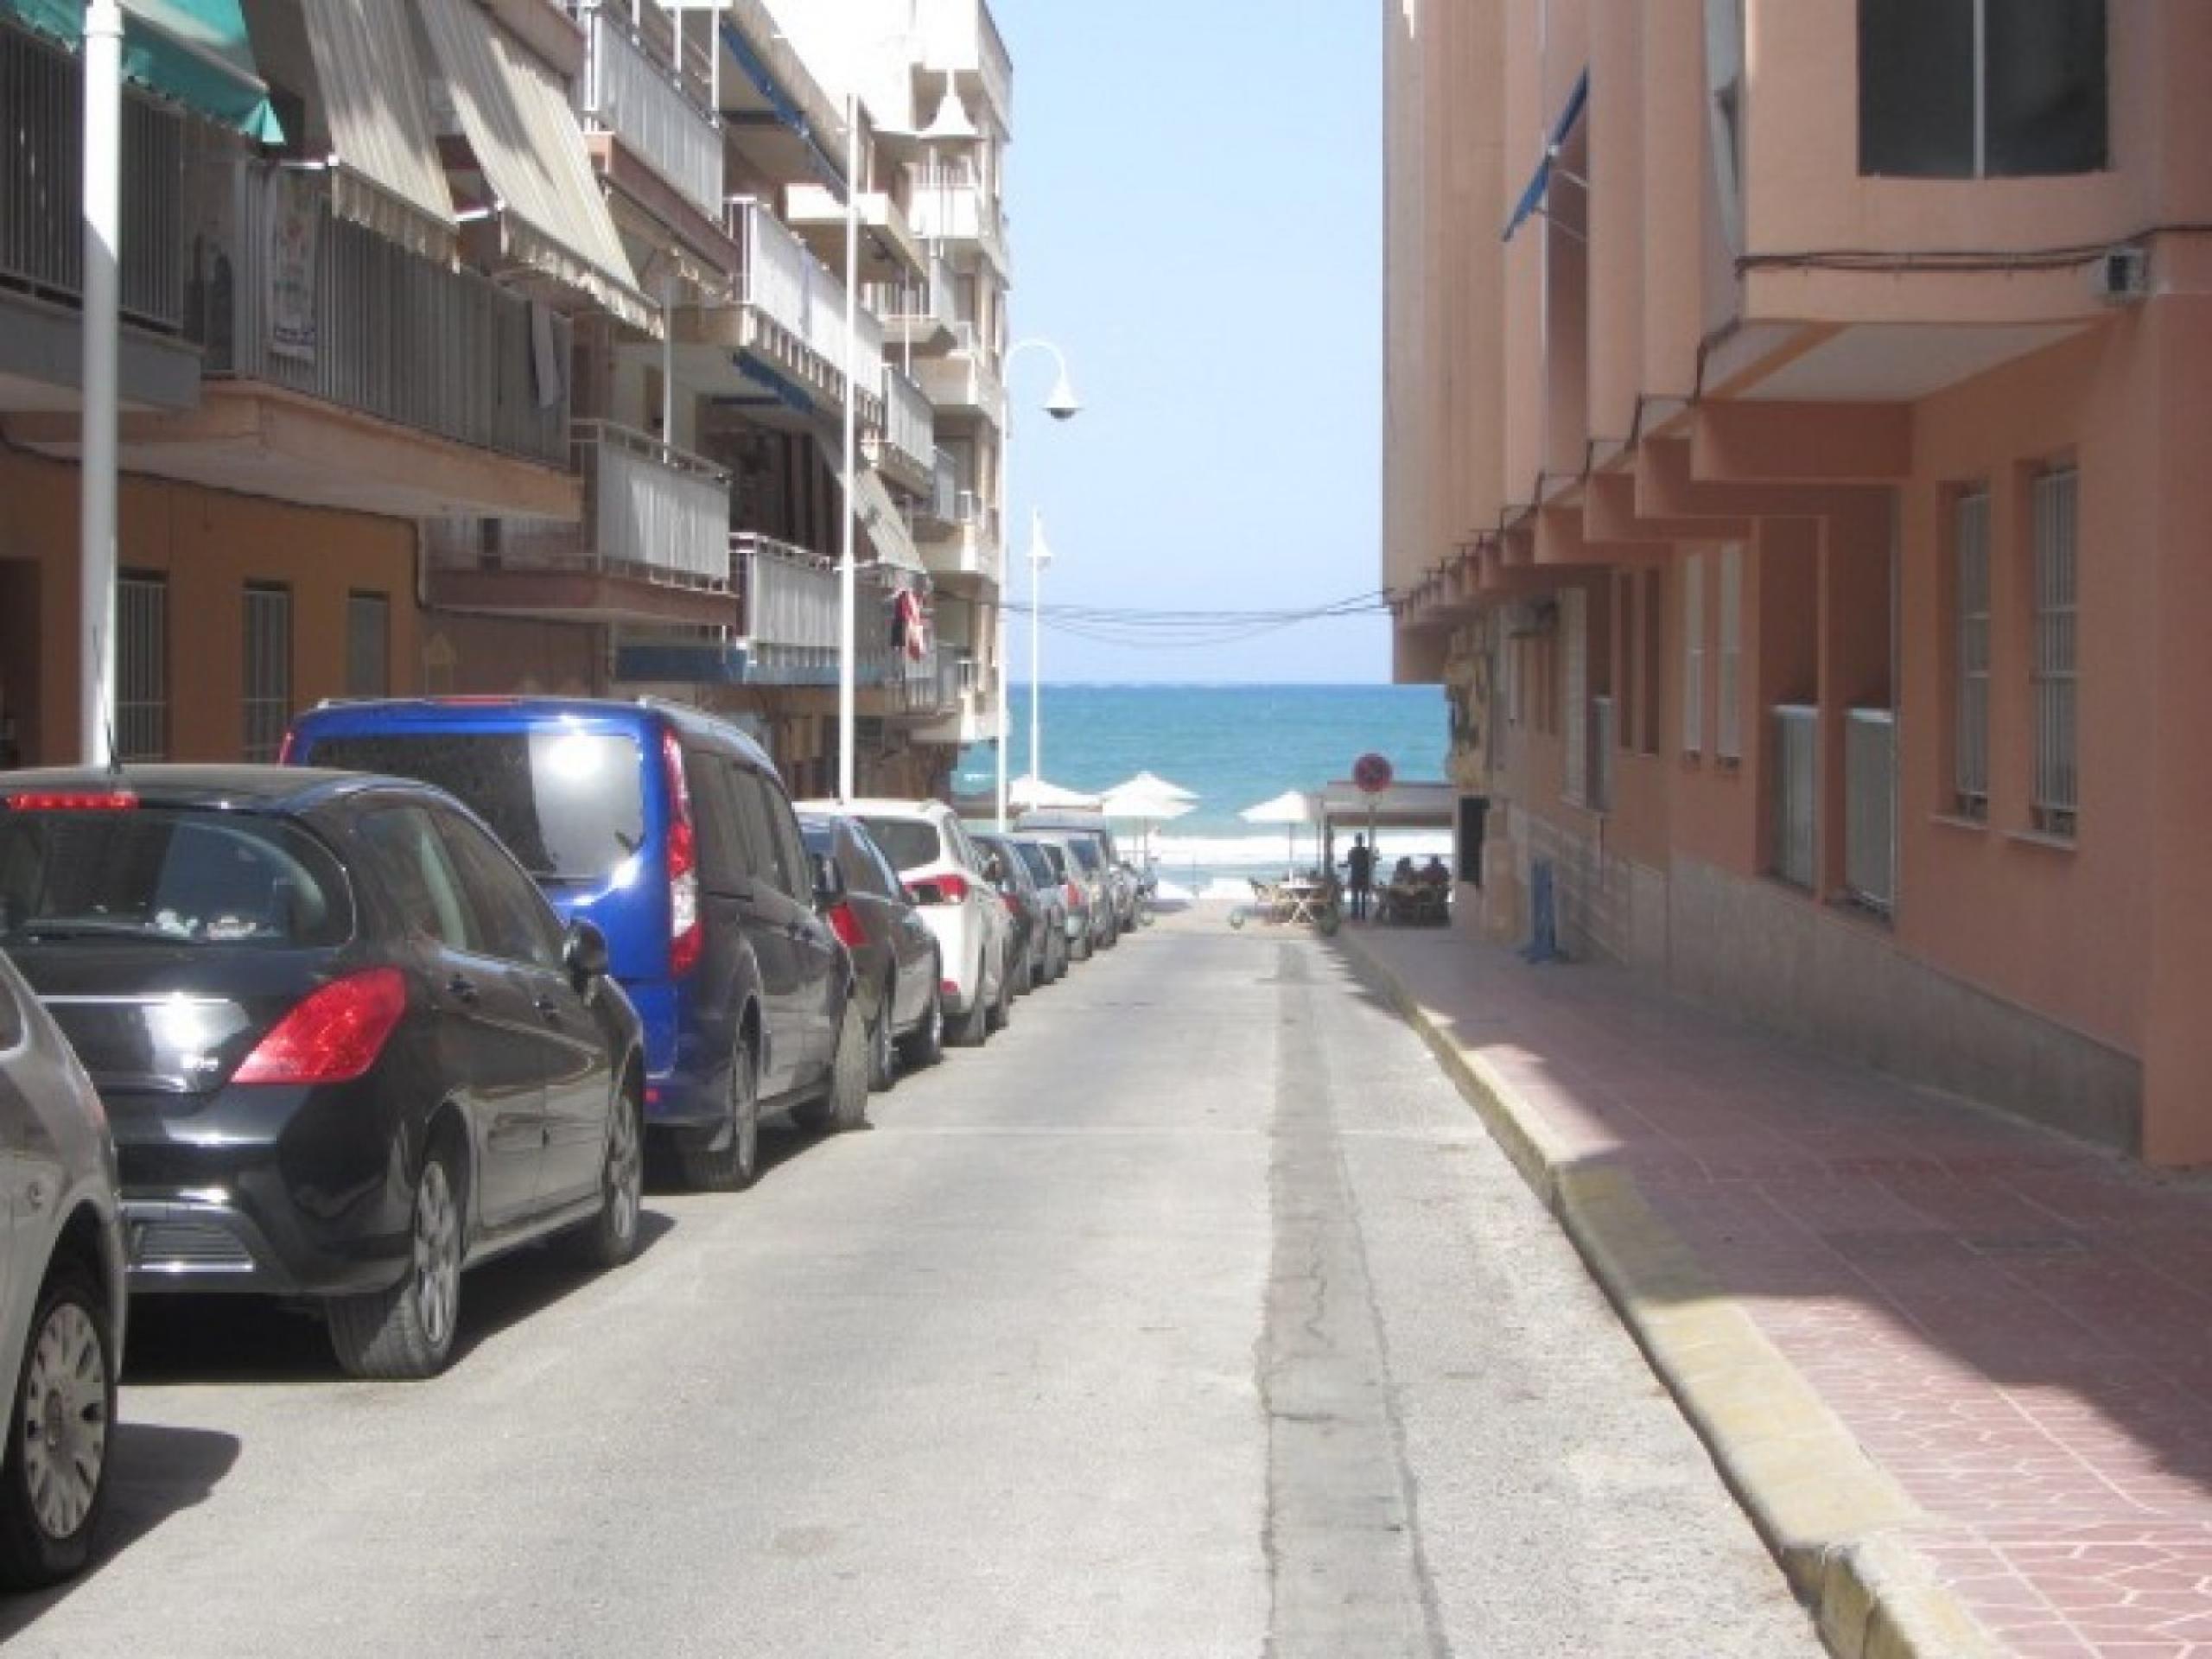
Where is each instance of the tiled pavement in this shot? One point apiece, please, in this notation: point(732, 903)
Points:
point(2017, 1328)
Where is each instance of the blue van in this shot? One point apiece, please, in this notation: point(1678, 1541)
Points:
point(671, 832)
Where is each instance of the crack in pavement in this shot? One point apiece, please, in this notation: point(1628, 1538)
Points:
point(1345, 1568)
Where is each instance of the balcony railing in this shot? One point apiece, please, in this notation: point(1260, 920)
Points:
point(642, 84)
point(963, 381)
point(910, 306)
point(375, 329)
point(1796, 747)
point(42, 186)
point(909, 438)
point(1870, 807)
point(947, 202)
point(788, 619)
point(788, 289)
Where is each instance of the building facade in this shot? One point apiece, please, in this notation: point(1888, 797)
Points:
point(521, 364)
point(1795, 423)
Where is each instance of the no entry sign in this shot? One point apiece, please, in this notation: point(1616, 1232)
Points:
point(1371, 773)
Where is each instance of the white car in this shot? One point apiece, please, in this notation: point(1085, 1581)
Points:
point(948, 876)
point(61, 1295)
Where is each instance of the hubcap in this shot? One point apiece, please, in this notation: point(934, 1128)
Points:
point(64, 1424)
point(625, 1169)
point(437, 1254)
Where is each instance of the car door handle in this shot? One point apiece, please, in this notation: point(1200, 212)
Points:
point(463, 986)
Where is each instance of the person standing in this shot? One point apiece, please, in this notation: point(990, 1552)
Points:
point(1359, 867)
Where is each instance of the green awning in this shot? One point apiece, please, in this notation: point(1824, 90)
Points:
point(193, 51)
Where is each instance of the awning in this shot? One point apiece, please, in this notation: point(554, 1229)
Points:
point(783, 106)
point(1532, 199)
point(194, 52)
point(516, 116)
point(385, 169)
point(885, 524)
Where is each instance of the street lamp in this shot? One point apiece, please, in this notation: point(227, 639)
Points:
point(1062, 404)
point(1039, 557)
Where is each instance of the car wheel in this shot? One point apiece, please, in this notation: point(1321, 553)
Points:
point(882, 1052)
point(406, 1332)
point(728, 1159)
point(924, 1045)
point(973, 1029)
point(1082, 948)
point(54, 1486)
point(610, 1238)
point(843, 1105)
point(1002, 1010)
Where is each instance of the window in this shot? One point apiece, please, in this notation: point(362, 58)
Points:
point(1694, 654)
point(268, 684)
point(368, 645)
point(2056, 793)
point(418, 871)
point(1970, 687)
point(1653, 647)
point(1728, 710)
point(142, 668)
point(511, 913)
point(781, 866)
point(1971, 89)
point(1574, 617)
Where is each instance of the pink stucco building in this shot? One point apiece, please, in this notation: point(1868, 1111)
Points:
point(1799, 466)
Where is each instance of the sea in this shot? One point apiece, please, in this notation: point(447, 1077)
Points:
point(1233, 746)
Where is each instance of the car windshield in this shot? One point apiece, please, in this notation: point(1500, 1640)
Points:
point(1040, 868)
point(182, 875)
point(907, 842)
point(570, 806)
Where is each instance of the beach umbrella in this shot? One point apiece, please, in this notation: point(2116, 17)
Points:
point(1156, 785)
point(1291, 808)
point(1026, 794)
point(1141, 799)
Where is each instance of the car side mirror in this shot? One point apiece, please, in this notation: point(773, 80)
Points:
point(583, 951)
point(828, 881)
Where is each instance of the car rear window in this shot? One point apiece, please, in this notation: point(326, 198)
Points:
point(570, 806)
point(1086, 853)
point(176, 875)
point(1040, 868)
point(908, 842)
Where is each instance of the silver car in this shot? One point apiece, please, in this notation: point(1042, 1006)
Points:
point(61, 1295)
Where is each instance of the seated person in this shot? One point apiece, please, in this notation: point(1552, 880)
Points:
point(1434, 873)
point(1401, 873)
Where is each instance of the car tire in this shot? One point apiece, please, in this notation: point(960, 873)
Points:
point(882, 1049)
point(1001, 1011)
point(1082, 948)
point(406, 1333)
point(924, 1045)
point(735, 1165)
point(63, 1421)
point(973, 1029)
point(844, 1104)
point(610, 1238)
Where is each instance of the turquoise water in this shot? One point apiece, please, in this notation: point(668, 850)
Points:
point(1234, 745)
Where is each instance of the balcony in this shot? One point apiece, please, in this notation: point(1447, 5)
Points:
point(788, 324)
point(652, 544)
point(969, 545)
point(917, 316)
point(889, 251)
point(963, 384)
point(906, 453)
point(648, 85)
point(947, 203)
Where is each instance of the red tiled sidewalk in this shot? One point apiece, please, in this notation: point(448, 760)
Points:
point(2017, 1328)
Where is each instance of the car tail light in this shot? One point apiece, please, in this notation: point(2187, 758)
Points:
point(847, 927)
point(333, 1034)
point(950, 988)
point(686, 939)
point(73, 800)
point(953, 887)
point(1012, 905)
point(1075, 896)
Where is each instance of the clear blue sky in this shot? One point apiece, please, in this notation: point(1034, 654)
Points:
point(1195, 191)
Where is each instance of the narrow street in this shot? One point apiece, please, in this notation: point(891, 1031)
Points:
point(1197, 1315)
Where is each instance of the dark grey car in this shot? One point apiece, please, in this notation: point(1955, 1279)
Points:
point(895, 967)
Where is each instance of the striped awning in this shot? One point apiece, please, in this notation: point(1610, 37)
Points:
point(516, 117)
point(385, 169)
point(193, 51)
point(884, 524)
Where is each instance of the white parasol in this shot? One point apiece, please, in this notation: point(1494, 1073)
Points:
point(1152, 785)
point(1291, 808)
point(1144, 799)
point(1026, 794)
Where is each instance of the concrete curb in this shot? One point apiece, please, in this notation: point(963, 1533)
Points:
point(1831, 1515)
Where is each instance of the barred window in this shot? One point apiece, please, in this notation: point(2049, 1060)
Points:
point(268, 677)
point(1694, 654)
point(1728, 711)
point(142, 668)
point(1970, 689)
point(2055, 796)
point(368, 645)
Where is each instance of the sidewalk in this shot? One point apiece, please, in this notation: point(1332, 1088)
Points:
point(1958, 1370)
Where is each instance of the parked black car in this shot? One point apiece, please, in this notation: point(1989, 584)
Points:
point(894, 955)
point(1052, 896)
point(346, 1046)
point(1033, 923)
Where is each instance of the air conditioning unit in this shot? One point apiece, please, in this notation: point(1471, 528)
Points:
point(2121, 276)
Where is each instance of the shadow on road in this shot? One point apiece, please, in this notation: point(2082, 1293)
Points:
point(256, 1339)
point(157, 1471)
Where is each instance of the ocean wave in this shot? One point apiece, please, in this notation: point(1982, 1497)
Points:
point(1262, 852)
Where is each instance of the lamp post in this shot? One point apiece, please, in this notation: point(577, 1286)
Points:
point(103, 214)
point(1039, 557)
point(1062, 404)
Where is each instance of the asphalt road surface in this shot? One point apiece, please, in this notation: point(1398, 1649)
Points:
point(1196, 1315)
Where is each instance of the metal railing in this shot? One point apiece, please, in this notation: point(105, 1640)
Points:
point(635, 85)
point(42, 186)
point(1600, 796)
point(652, 508)
point(910, 424)
point(787, 286)
point(995, 62)
point(1796, 749)
point(377, 329)
point(1970, 735)
point(946, 201)
point(1870, 807)
point(930, 301)
point(2055, 784)
point(787, 602)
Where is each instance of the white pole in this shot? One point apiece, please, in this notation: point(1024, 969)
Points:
point(103, 212)
point(1036, 673)
point(1006, 497)
point(848, 576)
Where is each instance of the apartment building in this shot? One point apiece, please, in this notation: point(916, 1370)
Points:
point(1795, 473)
point(498, 346)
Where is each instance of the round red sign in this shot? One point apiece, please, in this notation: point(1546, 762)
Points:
point(1371, 773)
